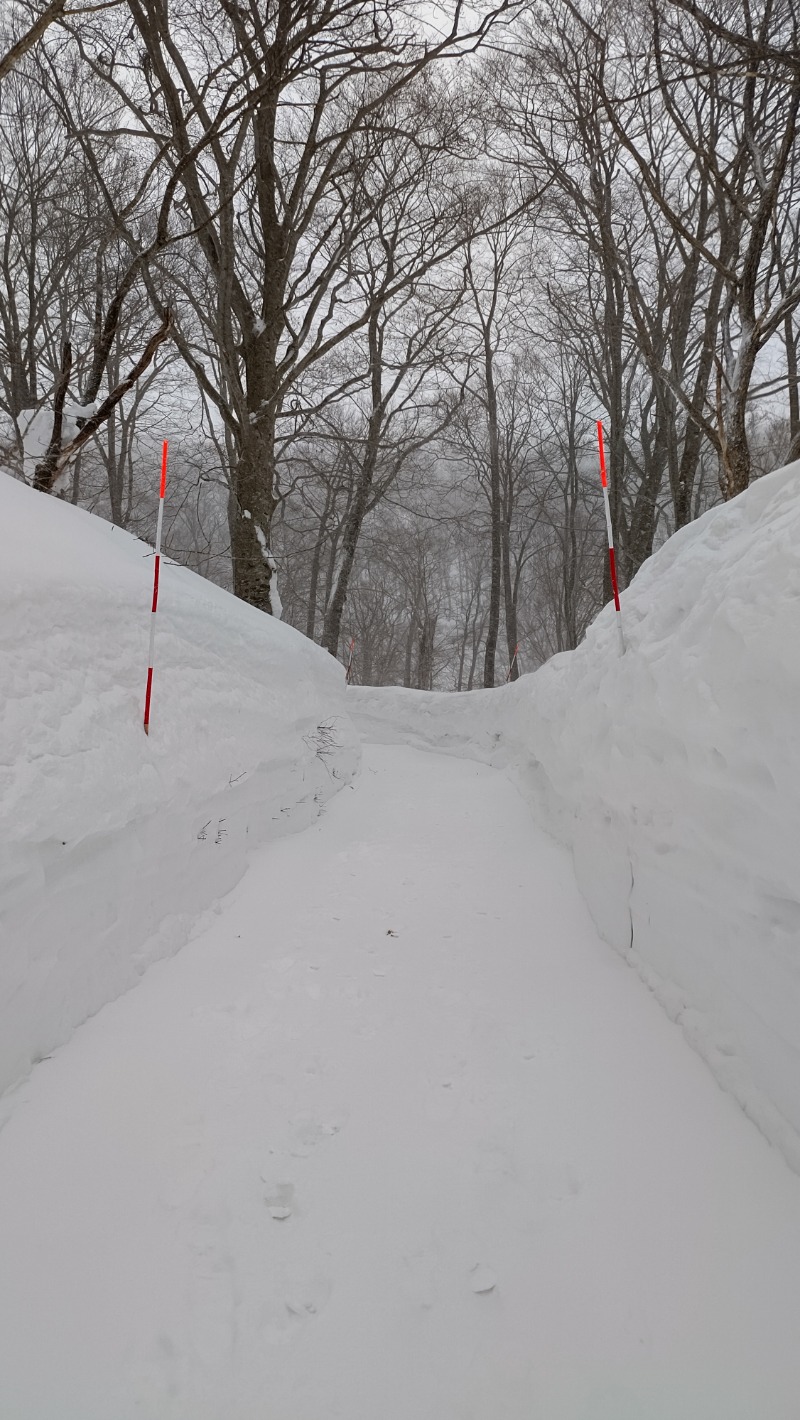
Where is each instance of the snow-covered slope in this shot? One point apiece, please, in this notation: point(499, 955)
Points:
point(112, 843)
point(674, 773)
point(422, 1154)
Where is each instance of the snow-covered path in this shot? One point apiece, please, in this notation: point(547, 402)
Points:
point(394, 1138)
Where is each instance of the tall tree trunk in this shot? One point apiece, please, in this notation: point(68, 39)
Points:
point(570, 567)
point(734, 463)
point(76, 482)
point(613, 328)
point(462, 649)
point(116, 472)
point(426, 647)
point(693, 438)
point(330, 570)
point(496, 516)
point(510, 588)
point(44, 473)
point(791, 373)
point(644, 513)
point(250, 511)
point(357, 513)
point(411, 636)
point(477, 632)
point(316, 564)
point(510, 583)
point(462, 654)
point(350, 536)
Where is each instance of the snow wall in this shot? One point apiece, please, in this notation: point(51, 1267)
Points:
point(114, 844)
point(674, 775)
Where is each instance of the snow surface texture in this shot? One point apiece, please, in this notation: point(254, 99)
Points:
point(113, 842)
point(674, 774)
point(394, 1137)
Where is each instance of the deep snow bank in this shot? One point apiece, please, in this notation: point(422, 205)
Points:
point(113, 843)
point(674, 773)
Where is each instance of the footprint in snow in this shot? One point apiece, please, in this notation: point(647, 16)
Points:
point(482, 1278)
point(308, 1132)
point(279, 1198)
point(307, 1295)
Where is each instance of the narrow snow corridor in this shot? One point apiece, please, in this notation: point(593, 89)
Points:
point(396, 1137)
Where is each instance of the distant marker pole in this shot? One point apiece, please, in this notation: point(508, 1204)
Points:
point(612, 560)
point(513, 663)
point(349, 671)
point(156, 570)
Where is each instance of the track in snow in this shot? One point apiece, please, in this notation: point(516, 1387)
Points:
point(396, 1137)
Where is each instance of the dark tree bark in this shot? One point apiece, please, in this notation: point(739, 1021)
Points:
point(316, 562)
point(495, 517)
point(307, 93)
point(366, 473)
point(59, 454)
point(793, 389)
point(32, 35)
point(46, 471)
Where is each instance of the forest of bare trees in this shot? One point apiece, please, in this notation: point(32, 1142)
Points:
point(375, 268)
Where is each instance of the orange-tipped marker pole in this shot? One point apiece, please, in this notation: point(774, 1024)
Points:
point(612, 560)
point(513, 663)
point(156, 571)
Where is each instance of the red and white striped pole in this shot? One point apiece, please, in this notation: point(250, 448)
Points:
point(513, 662)
point(156, 570)
point(349, 670)
point(612, 560)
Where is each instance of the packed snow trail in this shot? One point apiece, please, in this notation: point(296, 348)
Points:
point(395, 1137)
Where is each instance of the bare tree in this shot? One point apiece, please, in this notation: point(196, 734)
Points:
point(30, 36)
point(495, 287)
point(67, 281)
point(745, 161)
point(283, 94)
point(408, 336)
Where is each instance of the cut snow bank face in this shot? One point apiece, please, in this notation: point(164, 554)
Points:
point(674, 773)
point(114, 843)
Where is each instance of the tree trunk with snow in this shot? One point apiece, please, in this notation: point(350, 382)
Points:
point(495, 516)
point(355, 519)
point(250, 510)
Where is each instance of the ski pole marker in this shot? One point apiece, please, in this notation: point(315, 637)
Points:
point(156, 571)
point(612, 560)
point(513, 663)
